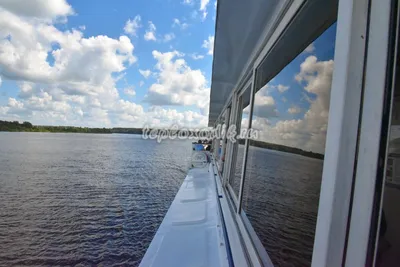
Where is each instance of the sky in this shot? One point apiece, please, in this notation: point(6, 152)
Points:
point(106, 63)
point(293, 108)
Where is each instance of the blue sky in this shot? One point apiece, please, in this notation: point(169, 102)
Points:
point(292, 109)
point(158, 73)
point(144, 63)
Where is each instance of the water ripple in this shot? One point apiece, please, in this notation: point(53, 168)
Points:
point(84, 200)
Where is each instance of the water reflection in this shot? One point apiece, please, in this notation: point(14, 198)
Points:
point(284, 165)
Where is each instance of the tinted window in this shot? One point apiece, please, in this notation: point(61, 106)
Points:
point(238, 146)
point(284, 165)
point(385, 241)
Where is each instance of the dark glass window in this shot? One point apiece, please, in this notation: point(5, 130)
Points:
point(284, 164)
point(385, 223)
point(238, 145)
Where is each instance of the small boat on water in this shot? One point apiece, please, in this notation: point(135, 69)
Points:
point(317, 81)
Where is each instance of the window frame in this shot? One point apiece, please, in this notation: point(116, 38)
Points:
point(376, 71)
point(237, 121)
point(344, 115)
point(227, 114)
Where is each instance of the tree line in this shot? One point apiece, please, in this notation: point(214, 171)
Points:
point(16, 126)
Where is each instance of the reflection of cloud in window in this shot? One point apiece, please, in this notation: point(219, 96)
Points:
point(310, 48)
point(309, 132)
point(294, 110)
point(268, 88)
point(282, 88)
point(264, 106)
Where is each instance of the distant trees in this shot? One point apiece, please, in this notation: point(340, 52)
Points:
point(27, 124)
point(11, 126)
point(15, 126)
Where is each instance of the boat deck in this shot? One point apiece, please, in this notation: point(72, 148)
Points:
point(192, 232)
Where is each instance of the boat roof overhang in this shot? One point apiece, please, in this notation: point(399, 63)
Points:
point(242, 30)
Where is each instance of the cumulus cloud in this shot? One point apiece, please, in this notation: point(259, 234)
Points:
point(196, 56)
point(264, 105)
point(168, 37)
point(145, 73)
point(282, 88)
point(65, 78)
point(130, 91)
point(209, 45)
point(203, 7)
point(141, 83)
point(132, 26)
point(310, 48)
point(40, 9)
point(76, 60)
point(177, 83)
point(309, 132)
point(150, 34)
point(294, 110)
point(177, 23)
point(161, 117)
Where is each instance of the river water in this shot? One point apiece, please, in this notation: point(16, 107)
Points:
point(84, 199)
point(98, 199)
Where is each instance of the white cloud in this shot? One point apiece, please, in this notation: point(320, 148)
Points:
point(294, 110)
point(26, 89)
point(132, 26)
point(161, 117)
point(187, 2)
point(203, 4)
point(65, 78)
point(130, 91)
point(309, 132)
point(282, 88)
point(310, 48)
point(150, 34)
point(196, 56)
point(168, 37)
point(1, 81)
point(204, 15)
point(41, 9)
point(145, 73)
point(181, 25)
point(264, 106)
point(77, 60)
point(177, 83)
point(209, 45)
point(203, 7)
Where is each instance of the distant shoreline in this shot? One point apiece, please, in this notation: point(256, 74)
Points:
point(15, 126)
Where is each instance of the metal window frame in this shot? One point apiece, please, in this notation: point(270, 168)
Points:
point(227, 113)
point(340, 148)
point(246, 145)
point(341, 142)
point(229, 152)
point(237, 121)
point(370, 133)
point(338, 169)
